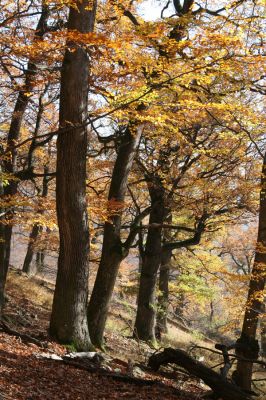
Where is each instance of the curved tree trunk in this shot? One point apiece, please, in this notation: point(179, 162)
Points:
point(146, 309)
point(247, 345)
point(10, 165)
point(69, 312)
point(113, 251)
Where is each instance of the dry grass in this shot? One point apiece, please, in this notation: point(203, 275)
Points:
point(34, 289)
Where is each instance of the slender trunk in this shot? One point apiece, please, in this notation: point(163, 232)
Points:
point(140, 248)
point(247, 345)
point(163, 298)
point(28, 265)
point(141, 257)
point(113, 251)
point(2, 248)
point(179, 310)
point(69, 312)
point(212, 312)
point(10, 165)
point(40, 256)
point(146, 310)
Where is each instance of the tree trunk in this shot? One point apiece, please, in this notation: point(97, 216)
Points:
point(40, 256)
point(247, 345)
point(28, 266)
point(263, 331)
point(140, 248)
point(69, 312)
point(113, 251)
point(2, 249)
point(146, 309)
point(10, 164)
point(163, 298)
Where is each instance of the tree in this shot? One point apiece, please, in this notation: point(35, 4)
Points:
point(69, 312)
point(247, 345)
point(10, 161)
point(37, 228)
point(113, 250)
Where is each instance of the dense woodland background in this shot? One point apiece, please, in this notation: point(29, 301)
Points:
point(132, 181)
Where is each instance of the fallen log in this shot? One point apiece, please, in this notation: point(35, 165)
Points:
point(222, 388)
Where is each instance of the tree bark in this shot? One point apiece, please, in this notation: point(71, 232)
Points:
point(69, 312)
point(263, 330)
point(247, 345)
point(28, 266)
point(146, 309)
point(10, 165)
point(163, 298)
point(2, 250)
point(113, 251)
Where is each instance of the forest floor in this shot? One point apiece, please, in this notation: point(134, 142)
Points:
point(26, 372)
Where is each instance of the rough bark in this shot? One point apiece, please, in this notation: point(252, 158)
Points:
point(2, 250)
point(263, 331)
point(146, 309)
point(113, 251)
point(10, 164)
point(222, 388)
point(163, 298)
point(247, 345)
point(69, 312)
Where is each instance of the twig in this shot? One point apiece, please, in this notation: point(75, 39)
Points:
point(133, 330)
point(230, 355)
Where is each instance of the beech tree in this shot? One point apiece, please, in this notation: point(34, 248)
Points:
point(113, 250)
point(172, 96)
point(10, 160)
point(208, 206)
point(69, 312)
point(173, 47)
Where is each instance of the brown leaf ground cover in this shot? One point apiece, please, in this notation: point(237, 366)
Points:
point(23, 376)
